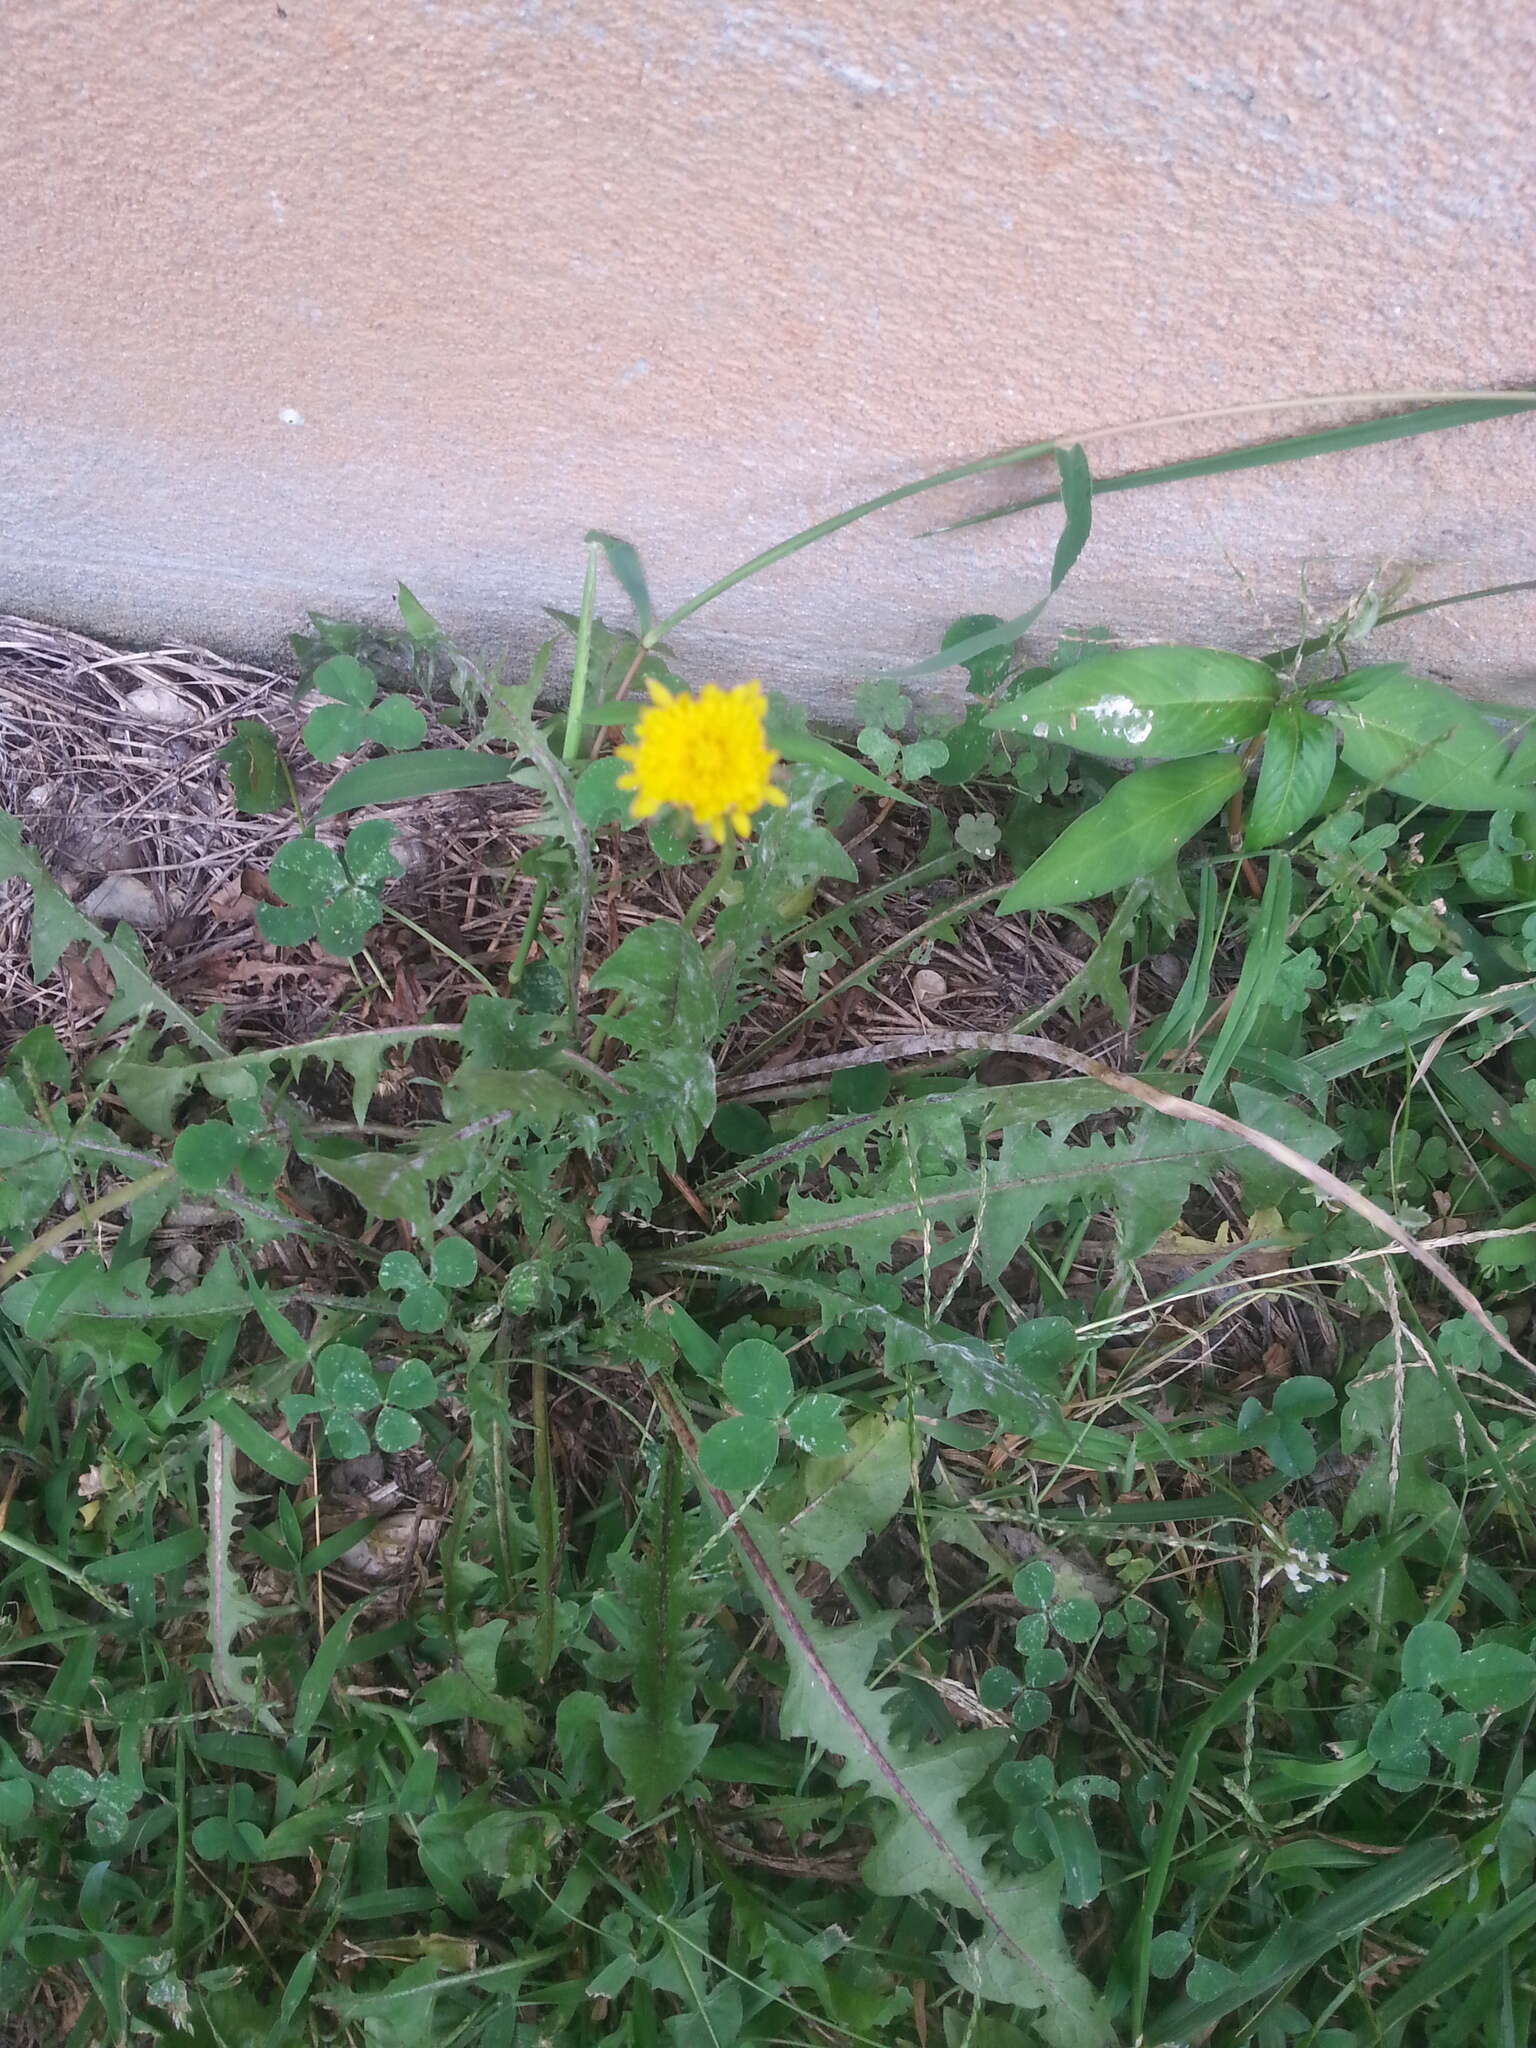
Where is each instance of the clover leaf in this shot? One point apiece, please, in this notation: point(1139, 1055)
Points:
point(740, 1453)
point(329, 896)
point(350, 717)
point(347, 1389)
point(424, 1301)
point(1281, 1433)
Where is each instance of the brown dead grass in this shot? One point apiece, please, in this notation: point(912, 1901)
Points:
point(100, 788)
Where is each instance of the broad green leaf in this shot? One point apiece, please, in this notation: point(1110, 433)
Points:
point(402, 778)
point(815, 1423)
point(345, 1437)
point(306, 873)
point(1162, 703)
point(403, 1272)
point(281, 926)
point(411, 1384)
point(344, 1379)
point(332, 730)
point(599, 800)
point(474, 1688)
point(256, 774)
point(1398, 1735)
point(926, 1843)
point(395, 1430)
point(1145, 1177)
point(70, 1786)
point(737, 1455)
point(368, 858)
point(1006, 634)
point(1139, 826)
point(1430, 1656)
point(344, 923)
point(16, 1802)
point(1264, 1180)
point(344, 677)
point(397, 723)
point(985, 673)
point(756, 1379)
point(1422, 741)
point(424, 1311)
point(1492, 1678)
point(1294, 774)
point(454, 1263)
point(1076, 1620)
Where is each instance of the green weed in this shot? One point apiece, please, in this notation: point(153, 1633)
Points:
point(679, 1523)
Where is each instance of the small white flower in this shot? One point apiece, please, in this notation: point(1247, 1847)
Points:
point(1305, 1569)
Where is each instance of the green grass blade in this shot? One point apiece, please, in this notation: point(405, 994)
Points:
point(1262, 961)
point(808, 536)
point(1467, 1945)
point(401, 778)
point(1298, 650)
point(1299, 1944)
point(1076, 496)
point(1429, 419)
point(963, 651)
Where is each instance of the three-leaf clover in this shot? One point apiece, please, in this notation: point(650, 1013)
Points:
point(1281, 1432)
point(738, 1454)
point(1490, 1678)
point(328, 896)
point(108, 1800)
point(350, 717)
point(1073, 1616)
point(233, 1836)
point(424, 1303)
point(347, 1388)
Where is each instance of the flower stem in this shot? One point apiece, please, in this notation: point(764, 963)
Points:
point(570, 744)
point(717, 881)
point(530, 932)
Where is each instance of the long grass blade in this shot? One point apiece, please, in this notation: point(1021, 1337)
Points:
point(1430, 419)
point(1466, 1946)
point(783, 549)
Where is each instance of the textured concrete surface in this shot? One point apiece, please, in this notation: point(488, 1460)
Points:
point(300, 298)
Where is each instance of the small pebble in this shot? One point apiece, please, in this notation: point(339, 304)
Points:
point(125, 899)
point(158, 704)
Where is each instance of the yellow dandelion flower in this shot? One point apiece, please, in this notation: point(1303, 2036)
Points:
point(706, 755)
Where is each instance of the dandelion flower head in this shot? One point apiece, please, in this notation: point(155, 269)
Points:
point(707, 755)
